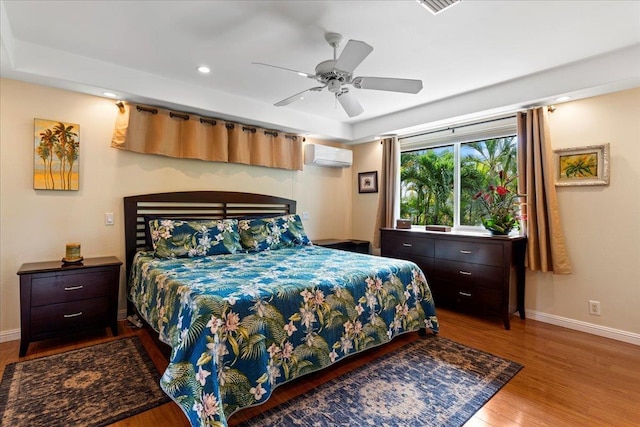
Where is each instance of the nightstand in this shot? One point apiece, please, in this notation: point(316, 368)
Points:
point(359, 246)
point(58, 299)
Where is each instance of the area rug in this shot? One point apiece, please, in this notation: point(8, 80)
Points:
point(93, 386)
point(430, 382)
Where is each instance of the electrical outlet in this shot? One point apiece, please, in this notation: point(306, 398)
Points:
point(594, 307)
point(305, 215)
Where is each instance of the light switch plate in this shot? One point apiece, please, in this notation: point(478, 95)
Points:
point(108, 218)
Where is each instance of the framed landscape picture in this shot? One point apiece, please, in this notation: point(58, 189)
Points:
point(56, 155)
point(582, 166)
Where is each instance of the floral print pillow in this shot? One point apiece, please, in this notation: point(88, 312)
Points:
point(176, 238)
point(262, 234)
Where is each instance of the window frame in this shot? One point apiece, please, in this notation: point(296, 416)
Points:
point(455, 136)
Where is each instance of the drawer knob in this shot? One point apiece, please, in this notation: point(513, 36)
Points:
point(73, 315)
point(464, 251)
point(73, 288)
point(407, 245)
point(465, 294)
point(465, 273)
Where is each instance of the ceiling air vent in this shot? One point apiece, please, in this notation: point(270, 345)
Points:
point(437, 6)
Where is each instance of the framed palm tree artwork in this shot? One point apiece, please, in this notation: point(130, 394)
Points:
point(56, 155)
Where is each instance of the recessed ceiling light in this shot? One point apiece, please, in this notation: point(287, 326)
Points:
point(109, 94)
point(204, 69)
point(563, 98)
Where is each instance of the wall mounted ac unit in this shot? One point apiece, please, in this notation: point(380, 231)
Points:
point(324, 155)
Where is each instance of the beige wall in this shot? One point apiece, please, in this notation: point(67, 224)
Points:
point(366, 158)
point(35, 225)
point(601, 224)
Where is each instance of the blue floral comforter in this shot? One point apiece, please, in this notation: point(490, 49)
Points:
point(241, 324)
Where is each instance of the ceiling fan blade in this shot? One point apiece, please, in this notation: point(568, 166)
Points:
point(388, 84)
point(352, 55)
point(298, 96)
point(350, 103)
point(301, 73)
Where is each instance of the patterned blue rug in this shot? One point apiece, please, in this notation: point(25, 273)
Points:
point(430, 382)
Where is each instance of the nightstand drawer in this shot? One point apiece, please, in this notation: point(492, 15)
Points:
point(469, 251)
point(69, 287)
point(69, 315)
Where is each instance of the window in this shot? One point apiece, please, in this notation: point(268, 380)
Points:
point(442, 171)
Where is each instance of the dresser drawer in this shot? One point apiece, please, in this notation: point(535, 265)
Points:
point(463, 272)
point(53, 289)
point(405, 244)
point(475, 299)
point(76, 314)
point(469, 251)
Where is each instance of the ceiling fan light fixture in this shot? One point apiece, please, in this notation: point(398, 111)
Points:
point(437, 6)
point(334, 74)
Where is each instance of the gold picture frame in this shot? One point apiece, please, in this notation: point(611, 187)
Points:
point(582, 166)
point(56, 155)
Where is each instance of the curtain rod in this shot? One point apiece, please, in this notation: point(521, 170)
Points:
point(212, 122)
point(453, 129)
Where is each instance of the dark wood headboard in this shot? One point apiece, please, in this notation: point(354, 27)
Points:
point(196, 204)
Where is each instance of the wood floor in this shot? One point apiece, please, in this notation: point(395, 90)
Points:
point(569, 378)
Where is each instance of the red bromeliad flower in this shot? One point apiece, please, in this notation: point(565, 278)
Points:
point(501, 190)
point(499, 206)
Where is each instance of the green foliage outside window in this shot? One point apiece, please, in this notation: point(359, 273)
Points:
point(427, 180)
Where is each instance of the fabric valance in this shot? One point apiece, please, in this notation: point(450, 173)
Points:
point(153, 130)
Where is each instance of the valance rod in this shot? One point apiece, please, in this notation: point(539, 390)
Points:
point(148, 110)
point(179, 115)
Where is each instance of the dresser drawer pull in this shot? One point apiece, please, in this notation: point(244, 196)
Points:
point(465, 273)
point(465, 294)
point(464, 251)
point(407, 245)
point(73, 288)
point(73, 315)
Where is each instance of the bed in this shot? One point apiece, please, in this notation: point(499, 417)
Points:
point(246, 302)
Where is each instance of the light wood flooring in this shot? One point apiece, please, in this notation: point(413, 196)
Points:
point(569, 378)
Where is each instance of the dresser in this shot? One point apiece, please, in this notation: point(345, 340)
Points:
point(468, 272)
point(57, 299)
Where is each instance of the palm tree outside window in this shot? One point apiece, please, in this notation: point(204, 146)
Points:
point(439, 180)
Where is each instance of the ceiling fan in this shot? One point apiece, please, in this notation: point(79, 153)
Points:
point(337, 73)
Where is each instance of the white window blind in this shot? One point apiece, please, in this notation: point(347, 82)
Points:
point(477, 131)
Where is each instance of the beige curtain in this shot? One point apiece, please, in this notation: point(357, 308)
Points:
point(546, 250)
point(389, 188)
point(154, 130)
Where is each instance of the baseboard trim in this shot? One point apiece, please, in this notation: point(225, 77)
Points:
point(590, 328)
point(10, 335)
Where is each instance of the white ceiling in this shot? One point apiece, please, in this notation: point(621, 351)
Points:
point(476, 58)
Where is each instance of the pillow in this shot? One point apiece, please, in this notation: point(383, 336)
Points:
point(272, 233)
point(176, 238)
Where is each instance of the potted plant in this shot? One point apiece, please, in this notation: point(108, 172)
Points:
point(499, 205)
